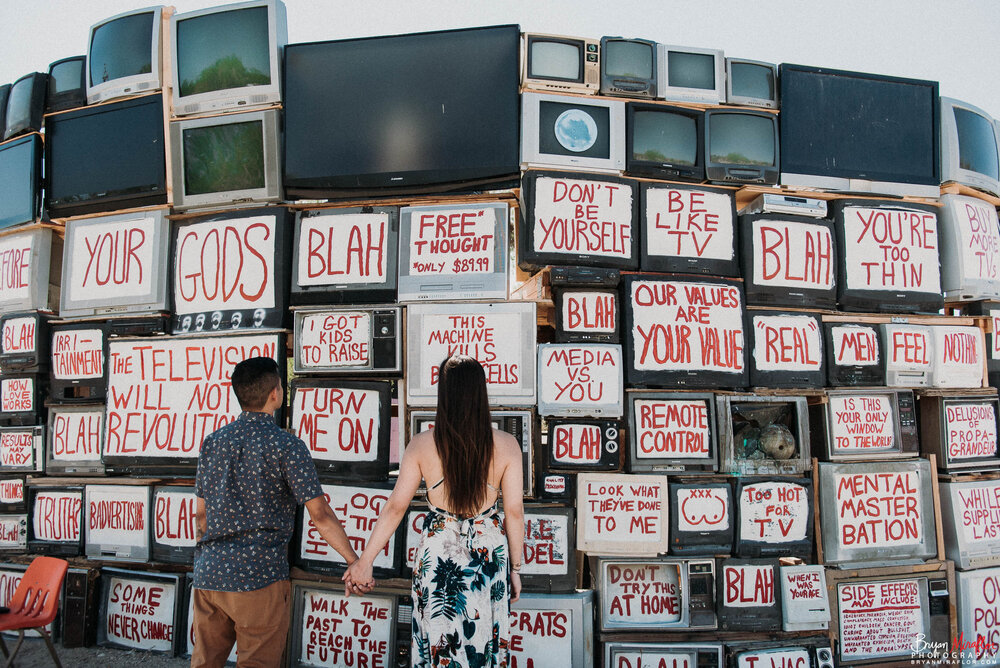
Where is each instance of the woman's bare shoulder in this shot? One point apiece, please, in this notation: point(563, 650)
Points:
point(506, 445)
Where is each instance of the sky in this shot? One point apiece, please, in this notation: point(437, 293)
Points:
point(955, 42)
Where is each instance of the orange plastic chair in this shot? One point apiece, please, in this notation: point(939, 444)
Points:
point(35, 604)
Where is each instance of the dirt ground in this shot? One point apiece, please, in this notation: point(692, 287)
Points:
point(34, 654)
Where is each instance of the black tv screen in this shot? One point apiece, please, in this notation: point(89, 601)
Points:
point(106, 157)
point(20, 174)
point(858, 126)
point(25, 105)
point(664, 142)
point(431, 111)
point(67, 85)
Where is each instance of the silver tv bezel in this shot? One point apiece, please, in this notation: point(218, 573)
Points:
point(665, 91)
point(532, 157)
point(746, 100)
point(951, 169)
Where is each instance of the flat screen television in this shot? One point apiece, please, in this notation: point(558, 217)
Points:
point(230, 271)
point(24, 342)
point(553, 630)
point(580, 379)
point(788, 261)
point(909, 354)
point(30, 271)
point(106, 157)
point(56, 526)
point(501, 335)
point(123, 55)
point(905, 607)
point(560, 64)
point(858, 132)
point(688, 229)
point(141, 610)
point(549, 556)
point(173, 523)
point(671, 431)
point(628, 67)
point(653, 595)
point(586, 316)
point(225, 161)
point(362, 340)
point(889, 256)
point(741, 146)
point(702, 517)
point(322, 606)
point(67, 84)
point(582, 444)
point(865, 424)
point(751, 83)
point(578, 133)
point(453, 251)
point(774, 517)
point(853, 354)
point(763, 435)
point(21, 180)
point(78, 362)
point(25, 105)
point(116, 264)
point(961, 431)
point(227, 57)
point(786, 349)
point(959, 356)
point(345, 256)
point(690, 74)
point(876, 512)
point(345, 425)
point(664, 142)
point(749, 595)
point(75, 440)
point(577, 219)
point(22, 398)
point(969, 146)
point(969, 512)
point(970, 249)
point(12, 494)
point(626, 654)
point(684, 333)
point(117, 522)
point(22, 449)
point(978, 627)
point(393, 137)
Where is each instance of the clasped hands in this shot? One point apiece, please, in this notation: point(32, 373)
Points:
point(358, 578)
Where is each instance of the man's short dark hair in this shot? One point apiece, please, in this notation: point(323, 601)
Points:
point(253, 379)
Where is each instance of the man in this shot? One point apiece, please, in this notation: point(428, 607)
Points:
point(251, 475)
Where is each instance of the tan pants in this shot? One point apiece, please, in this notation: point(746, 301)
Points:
point(257, 621)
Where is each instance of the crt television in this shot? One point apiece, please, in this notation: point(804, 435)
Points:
point(556, 630)
point(581, 444)
point(56, 526)
point(664, 142)
point(702, 516)
point(578, 133)
point(959, 354)
point(75, 440)
point(24, 342)
point(230, 271)
point(774, 517)
point(971, 507)
point(977, 626)
point(969, 146)
point(586, 316)
point(861, 424)
point(20, 180)
point(227, 57)
point(688, 229)
point(909, 354)
point(788, 260)
point(969, 233)
point(123, 55)
point(628, 654)
point(580, 379)
point(560, 64)
point(173, 523)
point(362, 340)
point(116, 521)
point(116, 264)
point(25, 105)
point(105, 158)
point(224, 161)
point(786, 349)
point(858, 132)
point(22, 398)
point(741, 147)
point(749, 597)
point(691, 74)
point(671, 431)
point(78, 362)
point(12, 494)
point(141, 610)
point(67, 84)
point(763, 435)
point(22, 449)
point(961, 431)
point(854, 354)
point(393, 137)
point(628, 67)
point(751, 83)
point(30, 270)
point(4, 94)
point(345, 256)
point(549, 554)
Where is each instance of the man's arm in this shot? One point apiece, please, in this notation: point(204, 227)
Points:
point(330, 528)
point(200, 519)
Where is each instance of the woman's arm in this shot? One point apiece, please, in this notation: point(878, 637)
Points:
point(360, 572)
point(512, 486)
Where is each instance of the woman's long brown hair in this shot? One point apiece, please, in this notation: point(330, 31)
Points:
point(463, 433)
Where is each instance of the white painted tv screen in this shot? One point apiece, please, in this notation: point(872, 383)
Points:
point(687, 222)
point(959, 356)
point(140, 612)
point(117, 521)
point(881, 619)
point(357, 508)
point(890, 250)
point(577, 379)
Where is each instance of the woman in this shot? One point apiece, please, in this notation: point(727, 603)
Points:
point(460, 580)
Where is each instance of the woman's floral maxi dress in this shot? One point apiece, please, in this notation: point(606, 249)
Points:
point(461, 611)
